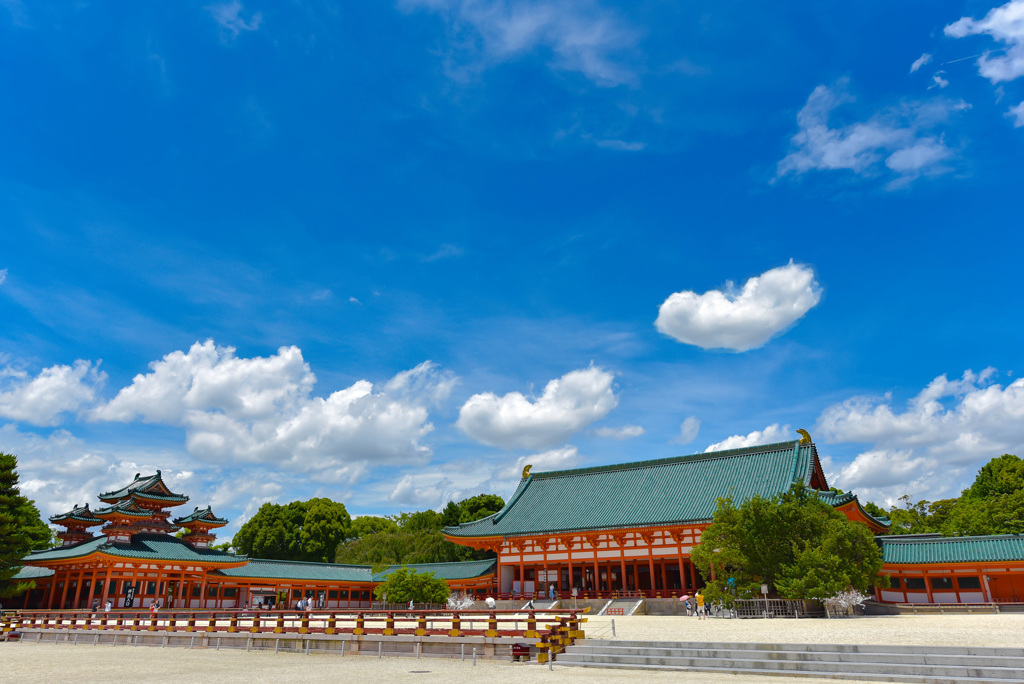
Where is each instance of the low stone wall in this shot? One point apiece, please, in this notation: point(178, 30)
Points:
point(662, 606)
point(337, 644)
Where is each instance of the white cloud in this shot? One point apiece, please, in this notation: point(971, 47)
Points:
point(229, 16)
point(56, 390)
point(556, 459)
point(861, 146)
point(925, 154)
point(771, 434)
point(1006, 25)
point(767, 305)
point(920, 62)
point(260, 410)
point(688, 430)
point(624, 432)
point(3, 275)
point(1017, 112)
point(445, 251)
point(621, 145)
point(579, 35)
point(414, 492)
point(567, 405)
point(61, 470)
point(946, 432)
point(938, 81)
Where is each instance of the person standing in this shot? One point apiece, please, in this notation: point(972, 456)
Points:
point(551, 592)
point(699, 598)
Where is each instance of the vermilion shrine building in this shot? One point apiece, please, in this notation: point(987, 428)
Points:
point(605, 531)
point(630, 527)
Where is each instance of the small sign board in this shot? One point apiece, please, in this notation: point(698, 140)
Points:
point(129, 596)
point(764, 589)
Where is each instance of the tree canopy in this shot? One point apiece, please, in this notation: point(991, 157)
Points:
point(417, 537)
point(404, 585)
point(993, 504)
point(300, 531)
point(794, 542)
point(21, 528)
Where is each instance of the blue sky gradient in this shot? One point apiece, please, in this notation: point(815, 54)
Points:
point(499, 195)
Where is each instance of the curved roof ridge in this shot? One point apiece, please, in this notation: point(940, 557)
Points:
point(671, 460)
point(295, 562)
point(939, 537)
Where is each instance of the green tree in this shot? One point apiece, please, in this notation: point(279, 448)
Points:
point(416, 537)
point(21, 528)
point(369, 524)
point(404, 585)
point(993, 504)
point(875, 510)
point(301, 531)
point(480, 506)
point(794, 542)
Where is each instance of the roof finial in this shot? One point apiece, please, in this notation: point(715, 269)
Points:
point(806, 439)
point(138, 475)
point(158, 473)
point(526, 471)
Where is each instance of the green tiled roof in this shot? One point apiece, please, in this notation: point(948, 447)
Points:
point(29, 572)
point(141, 485)
point(447, 571)
point(143, 546)
point(646, 493)
point(259, 568)
point(204, 514)
point(127, 507)
point(914, 549)
point(79, 513)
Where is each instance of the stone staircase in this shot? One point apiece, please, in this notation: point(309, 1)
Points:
point(917, 664)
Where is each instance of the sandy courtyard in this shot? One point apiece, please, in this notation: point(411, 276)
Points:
point(84, 664)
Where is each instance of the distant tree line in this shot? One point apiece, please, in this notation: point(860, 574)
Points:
point(321, 530)
point(993, 504)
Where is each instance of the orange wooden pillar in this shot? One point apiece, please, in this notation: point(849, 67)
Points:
point(543, 587)
point(106, 586)
point(568, 549)
point(53, 589)
point(622, 563)
point(650, 562)
point(522, 568)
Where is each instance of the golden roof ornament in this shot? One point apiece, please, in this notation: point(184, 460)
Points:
point(526, 471)
point(806, 439)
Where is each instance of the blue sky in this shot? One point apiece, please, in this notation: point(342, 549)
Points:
point(390, 253)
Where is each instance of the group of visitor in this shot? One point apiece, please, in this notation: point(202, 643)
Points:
point(695, 605)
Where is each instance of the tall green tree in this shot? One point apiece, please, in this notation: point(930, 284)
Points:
point(993, 504)
point(301, 531)
point(404, 585)
point(794, 542)
point(479, 506)
point(369, 524)
point(21, 528)
point(417, 537)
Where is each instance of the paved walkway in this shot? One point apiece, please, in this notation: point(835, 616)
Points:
point(86, 664)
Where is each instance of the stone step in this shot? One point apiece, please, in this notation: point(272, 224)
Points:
point(805, 655)
point(817, 648)
point(779, 666)
point(865, 676)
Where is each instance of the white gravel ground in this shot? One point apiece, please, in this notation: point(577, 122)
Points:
point(26, 663)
